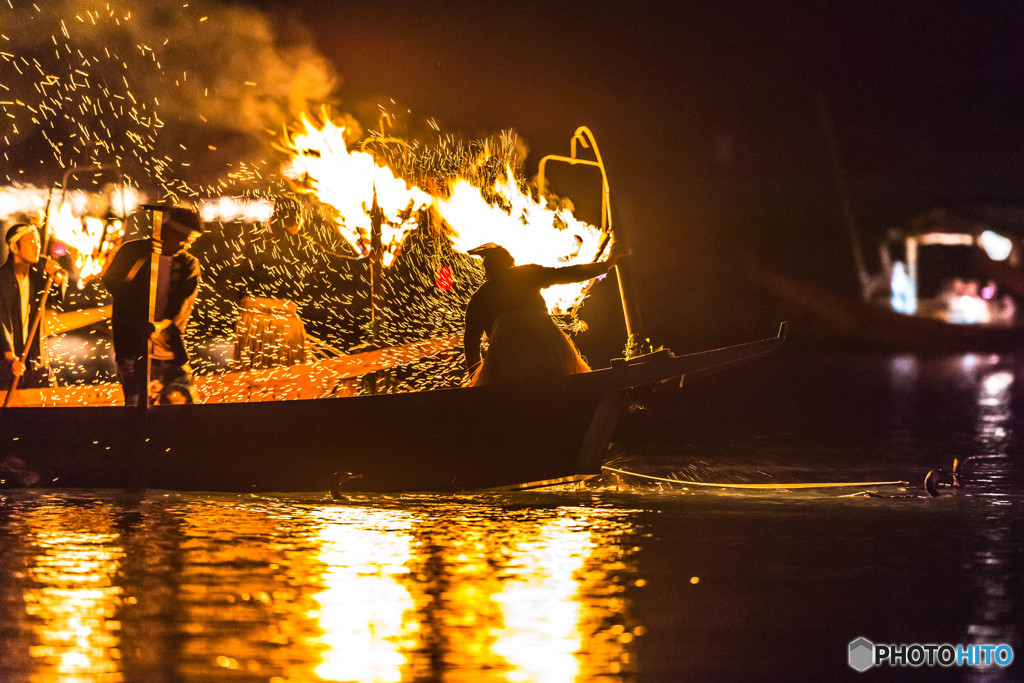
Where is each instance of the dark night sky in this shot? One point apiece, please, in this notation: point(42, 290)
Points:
point(707, 115)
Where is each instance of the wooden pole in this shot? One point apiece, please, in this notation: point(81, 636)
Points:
point(843, 187)
point(138, 467)
point(154, 274)
point(376, 253)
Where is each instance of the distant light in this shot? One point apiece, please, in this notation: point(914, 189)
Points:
point(947, 239)
point(970, 361)
point(968, 310)
point(996, 246)
point(995, 384)
point(227, 209)
point(904, 296)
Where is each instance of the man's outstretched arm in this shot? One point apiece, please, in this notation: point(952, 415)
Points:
point(586, 271)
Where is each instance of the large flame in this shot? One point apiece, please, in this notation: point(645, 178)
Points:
point(352, 181)
point(92, 240)
point(530, 231)
point(84, 225)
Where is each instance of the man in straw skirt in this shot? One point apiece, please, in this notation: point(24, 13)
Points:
point(524, 343)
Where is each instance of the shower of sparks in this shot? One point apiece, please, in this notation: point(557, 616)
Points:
point(180, 108)
point(175, 94)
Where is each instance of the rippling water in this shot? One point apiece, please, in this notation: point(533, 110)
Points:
point(634, 579)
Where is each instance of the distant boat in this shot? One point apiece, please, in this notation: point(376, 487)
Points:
point(944, 283)
point(444, 440)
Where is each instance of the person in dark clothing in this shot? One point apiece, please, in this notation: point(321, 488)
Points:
point(23, 280)
point(128, 281)
point(524, 343)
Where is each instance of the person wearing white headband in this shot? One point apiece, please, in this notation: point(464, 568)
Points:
point(24, 278)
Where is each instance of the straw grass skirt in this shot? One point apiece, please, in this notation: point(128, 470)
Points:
point(527, 346)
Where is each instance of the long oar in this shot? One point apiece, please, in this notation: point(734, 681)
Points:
point(31, 336)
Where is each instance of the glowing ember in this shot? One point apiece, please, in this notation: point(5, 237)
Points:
point(444, 279)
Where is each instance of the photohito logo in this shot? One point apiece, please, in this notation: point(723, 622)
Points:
point(863, 654)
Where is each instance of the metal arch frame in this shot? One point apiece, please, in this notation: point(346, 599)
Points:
point(630, 310)
point(63, 193)
point(584, 136)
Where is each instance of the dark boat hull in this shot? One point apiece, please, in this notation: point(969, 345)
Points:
point(447, 440)
point(429, 441)
point(845, 320)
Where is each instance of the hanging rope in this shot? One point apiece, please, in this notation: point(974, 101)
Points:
point(818, 485)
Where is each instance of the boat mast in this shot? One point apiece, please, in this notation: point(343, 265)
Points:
point(844, 198)
point(376, 254)
point(630, 309)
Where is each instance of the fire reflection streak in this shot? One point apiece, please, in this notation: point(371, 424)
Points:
point(72, 599)
point(502, 598)
point(366, 611)
point(541, 635)
point(991, 557)
point(213, 588)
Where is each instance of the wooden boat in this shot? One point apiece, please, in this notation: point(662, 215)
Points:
point(307, 427)
point(827, 316)
point(445, 440)
point(944, 283)
point(948, 280)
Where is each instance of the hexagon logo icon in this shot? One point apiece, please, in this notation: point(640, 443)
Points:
point(862, 654)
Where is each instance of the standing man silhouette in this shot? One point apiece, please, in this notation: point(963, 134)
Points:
point(161, 343)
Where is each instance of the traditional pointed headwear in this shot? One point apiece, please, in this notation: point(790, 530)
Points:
point(178, 218)
point(496, 257)
point(17, 231)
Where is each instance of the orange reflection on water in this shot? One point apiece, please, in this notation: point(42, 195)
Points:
point(527, 595)
point(70, 598)
point(224, 588)
point(365, 610)
point(467, 592)
point(540, 635)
